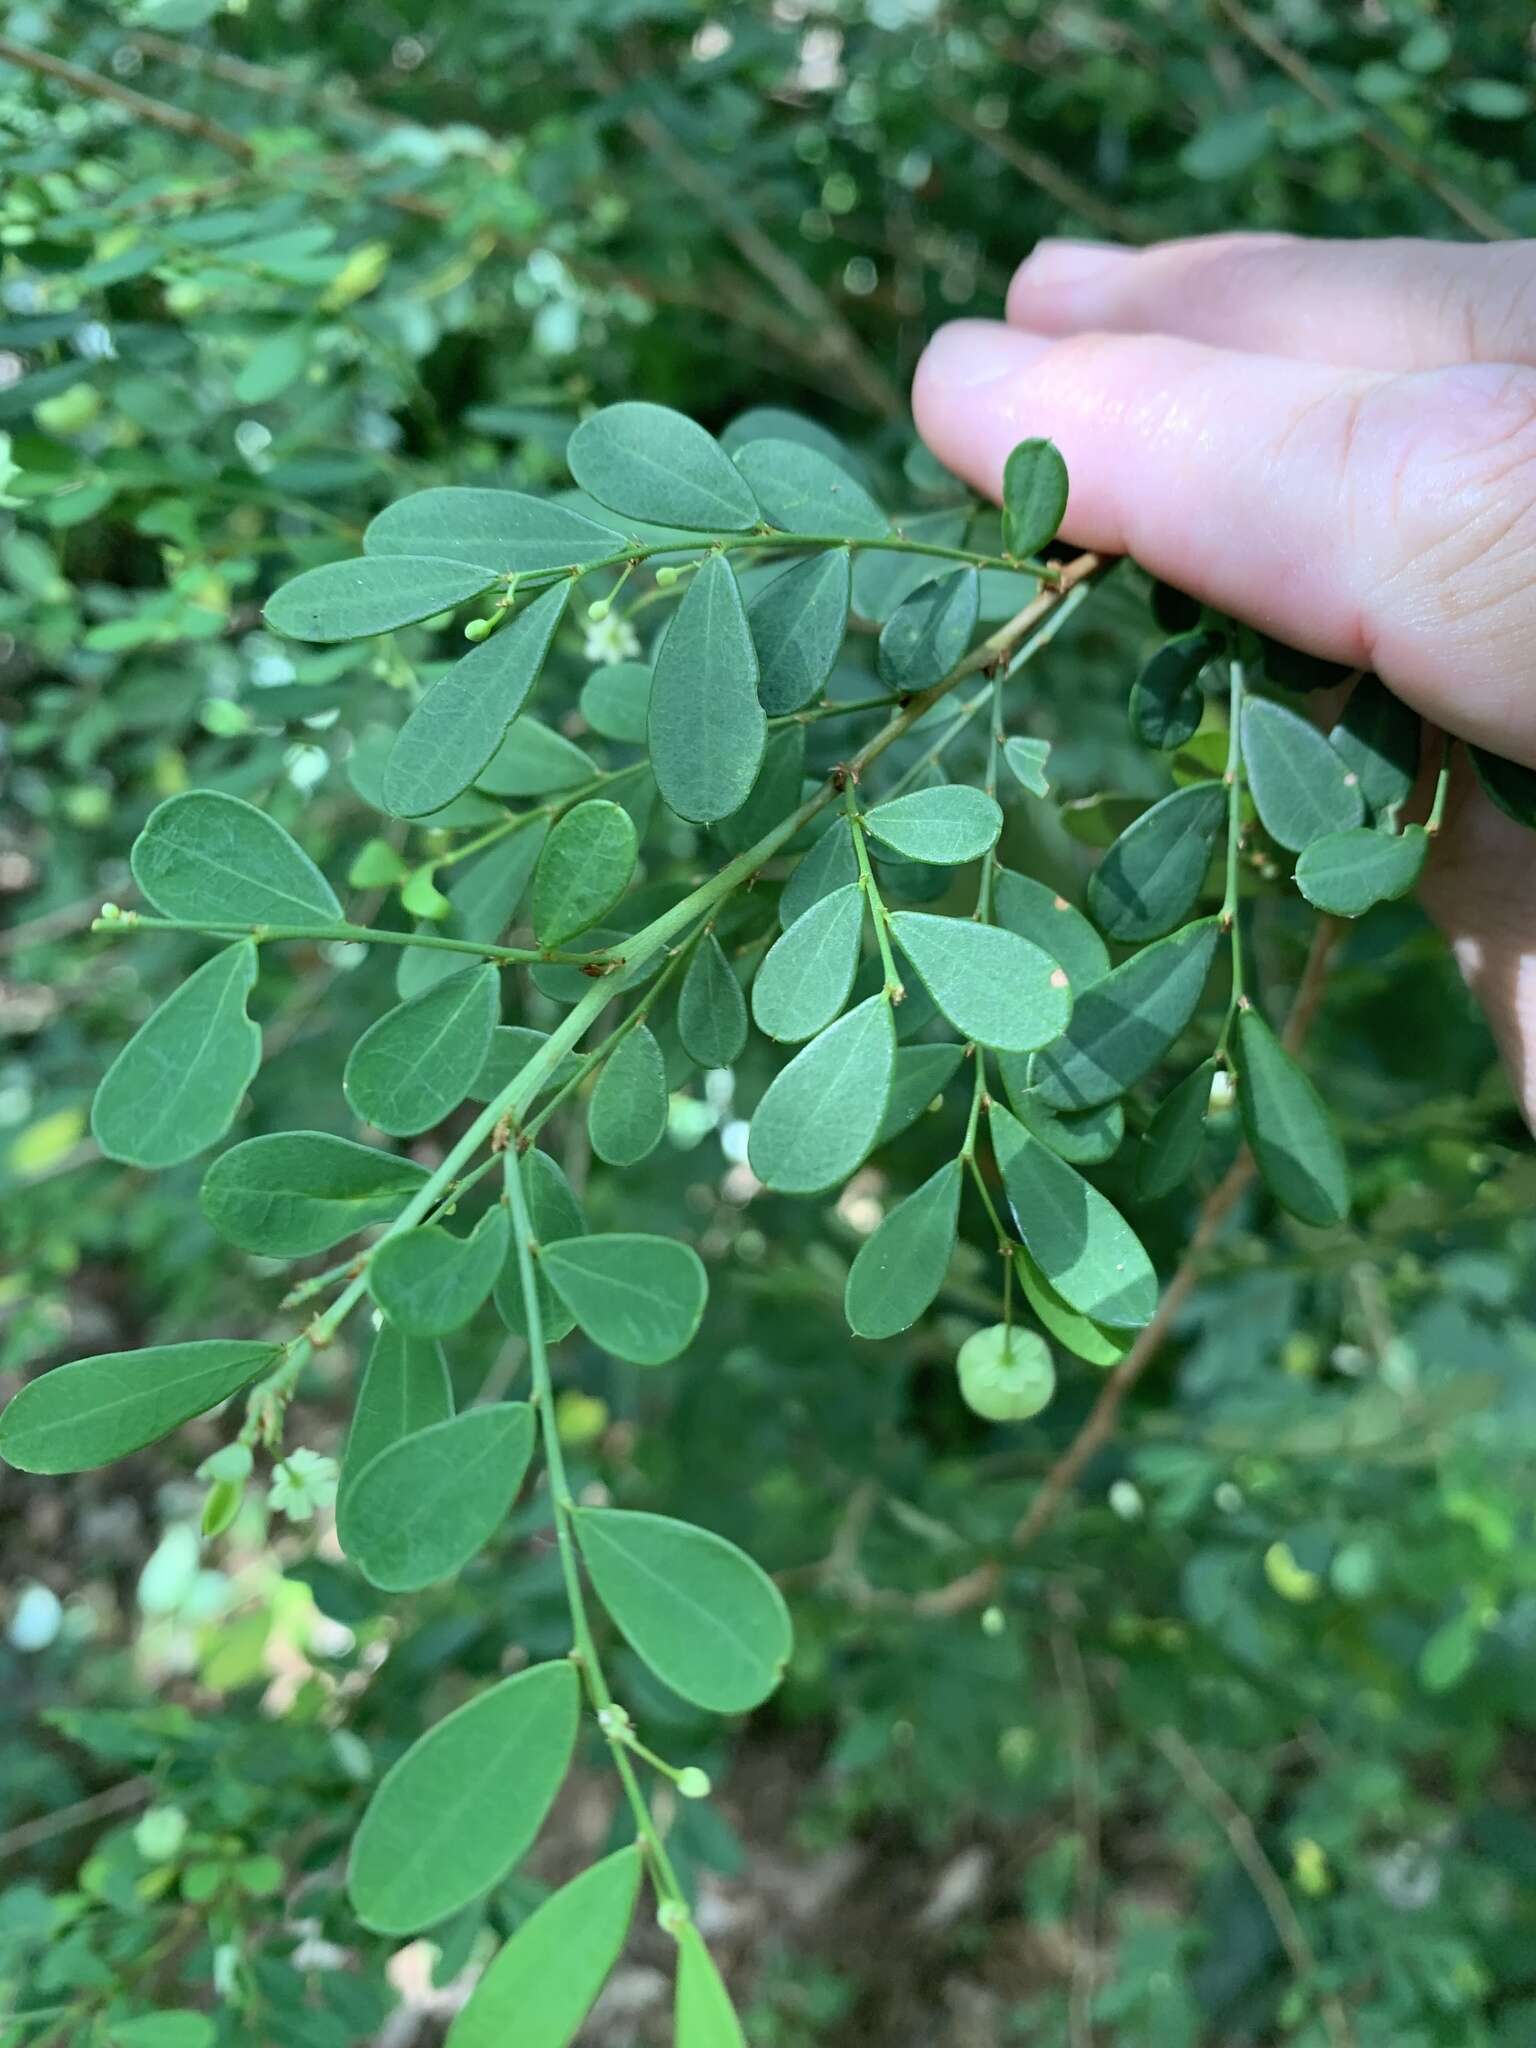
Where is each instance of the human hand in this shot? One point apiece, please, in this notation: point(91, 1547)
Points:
point(1334, 441)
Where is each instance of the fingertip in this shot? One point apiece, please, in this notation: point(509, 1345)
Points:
point(1062, 283)
point(961, 391)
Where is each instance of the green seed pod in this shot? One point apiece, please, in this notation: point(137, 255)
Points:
point(1006, 1374)
point(478, 629)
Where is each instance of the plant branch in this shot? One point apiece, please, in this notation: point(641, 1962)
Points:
point(159, 114)
point(1046, 175)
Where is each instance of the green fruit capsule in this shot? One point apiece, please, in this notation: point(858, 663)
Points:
point(1006, 1375)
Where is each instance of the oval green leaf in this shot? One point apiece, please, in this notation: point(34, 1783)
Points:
point(503, 532)
point(176, 1086)
point(1049, 921)
point(455, 731)
point(420, 1510)
point(901, 1267)
point(1080, 1335)
point(585, 868)
point(711, 1009)
point(1034, 496)
point(534, 761)
point(429, 1282)
point(801, 490)
point(830, 864)
point(1151, 877)
point(1171, 1143)
point(704, 2016)
point(375, 594)
point(419, 1061)
point(215, 859)
point(706, 727)
point(614, 701)
point(992, 985)
point(804, 981)
point(1078, 1239)
point(1027, 762)
point(946, 826)
point(642, 1298)
point(297, 1192)
point(1300, 785)
point(1289, 1131)
point(627, 1116)
point(1349, 873)
point(822, 1112)
point(86, 1414)
point(405, 1388)
point(650, 462)
point(703, 1615)
point(451, 1818)
point(1378, 738)
point(928, 632)
point(545, 1980)
point(1508, 784)
point(1166, 702)
point(798, 622)
point(918, 1078)
point(1123, 1025)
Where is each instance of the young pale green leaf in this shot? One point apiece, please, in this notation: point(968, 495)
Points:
point(928, 632)
point(419, 1061)
point(499, 531)
point(920, 1075)
point(1123, 1025)
point(831, 864)
point(421, 1509)
point(1079, 1334)
point(1166, 702)
point(1290, 1133)
point(804, 981)
point(798, 622)
point(405, 1388)
point(822, 1112)
point(801, 490)
point(652, 463)
point(711, 1009)
point(1301, 787)
point(992, 985)
point(627, 1116)
point(215, 859)
point(1377, 738)
point(429, 1282)
point(297, 1192)
point(1087, 1137)
point(1508, 784)
point(534, 761)
point(1349, 873)
point(456, 729)
point(703, 1615)
point(555, 1214)
point(706, 726)
point(615, 700)
point(642, 1298)
point(901, 1267)
point(483, 897)
point(1027, 761)
point(543, 1982)
point(87, 1414)
point(1171, 1143)
point(585, 868)
point(1078, 1239)
point(704, 2016)
point(1049, 921)
point(946, 826)
point(176, 1085)
point(375, 594)
point(1151, 877)
point(453, 1816)
point(1034, 496)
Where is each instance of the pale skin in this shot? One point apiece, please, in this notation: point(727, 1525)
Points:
point(1335, 441)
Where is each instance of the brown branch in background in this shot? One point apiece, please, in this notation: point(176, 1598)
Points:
point(1249, 1851)
point(1397, 154)
point(115, 1799)
point(837, 340)
point(1046, 175)
point(196, 127)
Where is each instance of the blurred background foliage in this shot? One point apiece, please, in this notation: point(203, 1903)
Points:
point(1244, 1752)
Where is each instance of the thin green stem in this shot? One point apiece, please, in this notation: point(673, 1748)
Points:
point(879, 916)
point(1230, 919)
point(588, 1661)
point(765, 537)
point(556, 807)
point(1436, 816)
point(340, 932)
point(1005, 1243)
